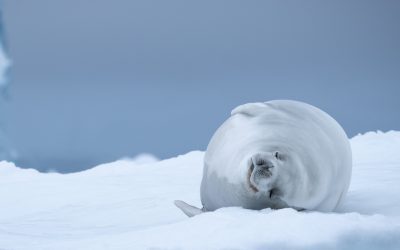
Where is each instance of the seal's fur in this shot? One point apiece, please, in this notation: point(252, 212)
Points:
point(276, 154)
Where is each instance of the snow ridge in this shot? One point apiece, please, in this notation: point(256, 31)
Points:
point(127, 205)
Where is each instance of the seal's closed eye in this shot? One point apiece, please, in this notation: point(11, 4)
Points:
point(260, 162)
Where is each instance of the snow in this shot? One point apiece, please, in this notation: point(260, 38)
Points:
point(142, 159)
point(128, 204)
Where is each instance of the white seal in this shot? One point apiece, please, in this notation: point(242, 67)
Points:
point(275, 154)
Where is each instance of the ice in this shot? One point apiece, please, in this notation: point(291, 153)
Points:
point(5, 151)
point(4, 64)
point(4, 60)
point(128, 204)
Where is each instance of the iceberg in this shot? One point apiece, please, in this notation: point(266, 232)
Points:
point(5, 151)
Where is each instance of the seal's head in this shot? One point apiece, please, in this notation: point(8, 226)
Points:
point(263, 169)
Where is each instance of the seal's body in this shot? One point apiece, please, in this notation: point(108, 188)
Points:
point(276, 154)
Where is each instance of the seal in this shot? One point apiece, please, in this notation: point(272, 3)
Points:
point(276, 154)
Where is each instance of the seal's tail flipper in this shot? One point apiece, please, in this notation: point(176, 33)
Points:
point(189, 210)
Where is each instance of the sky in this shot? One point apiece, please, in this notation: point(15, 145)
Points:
point(94, 81)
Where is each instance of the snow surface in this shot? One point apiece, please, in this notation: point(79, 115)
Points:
point(128, 204)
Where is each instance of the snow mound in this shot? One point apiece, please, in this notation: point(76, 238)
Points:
point(376, 148)
point(142, 159)
point(128, 204)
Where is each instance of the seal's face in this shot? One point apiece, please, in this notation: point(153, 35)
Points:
point(263, 171)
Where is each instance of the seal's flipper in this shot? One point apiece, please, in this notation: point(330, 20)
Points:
point(189, 210)
point(250, 109)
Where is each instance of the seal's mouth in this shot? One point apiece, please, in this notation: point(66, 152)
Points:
point(251, 185)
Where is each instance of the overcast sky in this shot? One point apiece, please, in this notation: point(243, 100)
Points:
point(94, 81)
